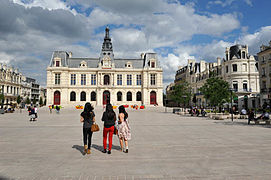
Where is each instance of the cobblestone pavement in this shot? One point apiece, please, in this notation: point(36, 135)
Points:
point(163, 146)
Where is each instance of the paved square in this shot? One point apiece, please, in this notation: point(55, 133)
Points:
point(163, 146)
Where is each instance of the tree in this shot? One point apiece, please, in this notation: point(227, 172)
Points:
point(41, 101)
point(181, 93)
point(19, 100)
point(216, 91)
point(34, 100)
point(2, 98)
point(27, 100)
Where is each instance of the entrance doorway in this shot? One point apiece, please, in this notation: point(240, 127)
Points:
point(56, 98)
point(153, 98)
point(106, 97)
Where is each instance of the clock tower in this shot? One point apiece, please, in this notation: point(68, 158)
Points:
point(107, 56)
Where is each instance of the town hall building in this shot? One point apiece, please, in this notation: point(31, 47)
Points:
point(106, 79)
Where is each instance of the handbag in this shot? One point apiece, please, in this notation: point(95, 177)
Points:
point(94, 127)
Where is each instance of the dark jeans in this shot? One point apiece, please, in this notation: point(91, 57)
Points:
point(87, 135)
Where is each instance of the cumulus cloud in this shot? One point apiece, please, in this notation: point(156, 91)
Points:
point(227, 2)
point(31, 30)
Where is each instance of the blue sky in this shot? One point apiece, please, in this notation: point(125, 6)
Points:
point(30, 30)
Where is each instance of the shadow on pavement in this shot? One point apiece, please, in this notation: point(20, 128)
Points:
point(244, 123)
point(80, 149)
point(101, 148)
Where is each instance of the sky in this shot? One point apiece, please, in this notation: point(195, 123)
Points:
point(177, 30)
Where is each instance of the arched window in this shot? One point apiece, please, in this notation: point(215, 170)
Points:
point(119, 96)
point(106, 80)
point(129, 96)
point(82, 96)
point(138, 96)
point(72, 96)
point(93, 96)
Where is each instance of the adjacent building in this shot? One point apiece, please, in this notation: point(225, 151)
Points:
point(264, 58)
point(105, 79)
point(238, 68)
point(14, 84)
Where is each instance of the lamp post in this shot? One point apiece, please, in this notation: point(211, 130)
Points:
point(231, 105)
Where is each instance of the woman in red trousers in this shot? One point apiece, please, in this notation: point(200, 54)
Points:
point(109, 118)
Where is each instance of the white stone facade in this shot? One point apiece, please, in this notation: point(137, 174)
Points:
point(238, 69)
point(75, 81)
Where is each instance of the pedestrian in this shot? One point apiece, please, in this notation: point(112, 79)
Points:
point(32, 114)
point(124, 131)
point(251, 116)
point(36, 113)
point(109, 119)
point(87, 118)
point(50, 108)
point(57, 109)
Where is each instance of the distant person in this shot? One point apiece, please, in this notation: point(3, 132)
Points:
point(264, 116)
point(251, 116)
point(109, 119)
point(36, 112)
point(57, 109)
point(32, 114)
point(87, 118)
point(50, 109)
point(124, 131)
point(243, 111)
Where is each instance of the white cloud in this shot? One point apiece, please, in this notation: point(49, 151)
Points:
point(47, 4)
point(227, 2)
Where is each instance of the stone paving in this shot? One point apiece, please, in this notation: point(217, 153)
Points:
point(163, 146)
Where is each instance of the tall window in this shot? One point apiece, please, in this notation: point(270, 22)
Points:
point(245, 85)
point(227, 69)
point(119, 96)
point(106, 80)
point(93, 79)
point(82, 96)
point(129, 96)
point(263, 71)
point(243, 55)
point(138, 96)
point(129, 79)
point(245, 67)
point(153, 79)
point(138, 79)
point(72, 96)
point(119, 79)
point(235, 86)
point(83, 79)
point(73, 79)
point(93, 96)
point(57, 78)
point(234, 67)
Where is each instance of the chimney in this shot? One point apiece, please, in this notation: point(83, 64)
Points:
point(218, 61)
point(70, 54)
point(142, 55)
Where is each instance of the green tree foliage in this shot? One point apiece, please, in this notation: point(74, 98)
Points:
point(19, 100)
point(28, 100)
point(181, 93)
point(41, 101)
point(216, 90)
point(2, 98)
point(34, 100)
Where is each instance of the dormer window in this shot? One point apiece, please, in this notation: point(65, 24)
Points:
point(57, 62)
point(153, 64)
point(83, 64)
point(128, 65)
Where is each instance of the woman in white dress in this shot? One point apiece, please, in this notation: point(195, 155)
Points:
point(124, 131)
